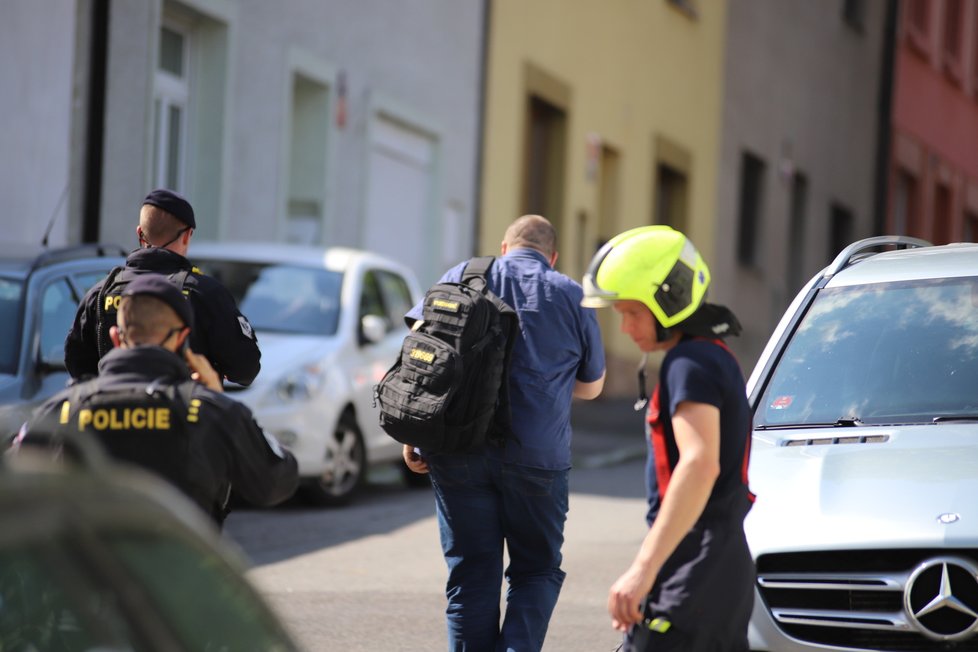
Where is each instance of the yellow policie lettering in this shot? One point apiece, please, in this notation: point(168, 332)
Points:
point(112, 302)
point(138, 418)
point(423, 356)
point(441, 304)
point(65, 412)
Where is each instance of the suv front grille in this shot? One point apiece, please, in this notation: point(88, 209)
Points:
point(852, 599)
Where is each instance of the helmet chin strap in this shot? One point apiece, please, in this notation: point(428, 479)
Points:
point(661, 332)
point(643, 394)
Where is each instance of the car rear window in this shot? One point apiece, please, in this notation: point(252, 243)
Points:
point(11, 316)
point(885, 353)
point(281, 298)
point(204, 601)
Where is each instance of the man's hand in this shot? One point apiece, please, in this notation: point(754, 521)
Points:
point(202, 371)
point(413, 460)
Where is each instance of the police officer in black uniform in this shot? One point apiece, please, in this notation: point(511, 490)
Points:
point(221, 332)
point(157, 404)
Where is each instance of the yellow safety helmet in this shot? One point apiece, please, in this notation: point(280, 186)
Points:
point(656, 265)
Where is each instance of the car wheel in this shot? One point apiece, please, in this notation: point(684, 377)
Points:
point(346, 465)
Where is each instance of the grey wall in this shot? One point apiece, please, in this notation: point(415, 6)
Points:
point(37, 42)
point(422, 56)
point(800, 92)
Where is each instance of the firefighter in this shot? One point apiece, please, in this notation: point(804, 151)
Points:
point(690, 586)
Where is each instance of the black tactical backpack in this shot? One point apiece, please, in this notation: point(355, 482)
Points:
point(449, 392)
point(137, 422)
point(111, 292)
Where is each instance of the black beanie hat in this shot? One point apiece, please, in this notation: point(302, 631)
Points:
point(172, 203)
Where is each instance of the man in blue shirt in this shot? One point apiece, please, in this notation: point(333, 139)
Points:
point(517, 494)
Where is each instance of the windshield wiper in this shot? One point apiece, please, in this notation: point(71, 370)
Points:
point(842, 422)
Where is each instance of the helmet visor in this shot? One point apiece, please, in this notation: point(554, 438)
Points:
point(594, 296)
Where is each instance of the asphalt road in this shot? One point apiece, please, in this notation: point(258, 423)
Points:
point(371, 576)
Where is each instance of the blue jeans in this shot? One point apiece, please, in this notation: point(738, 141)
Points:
point(481, 503)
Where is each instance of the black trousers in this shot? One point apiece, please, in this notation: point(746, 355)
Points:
point(703, 597)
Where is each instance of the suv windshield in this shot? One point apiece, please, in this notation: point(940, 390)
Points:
point(279, 297)
point(10, 317)
point(903, 352)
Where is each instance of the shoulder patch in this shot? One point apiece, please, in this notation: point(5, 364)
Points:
point(246, 328)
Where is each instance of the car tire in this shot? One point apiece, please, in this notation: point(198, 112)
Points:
point(346, 466)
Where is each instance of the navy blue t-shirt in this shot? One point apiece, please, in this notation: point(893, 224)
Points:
point(701, 371)
point(559, 343)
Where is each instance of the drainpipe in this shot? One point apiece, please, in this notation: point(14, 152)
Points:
point(95, 127)
point(481, 124)
point(884, 117)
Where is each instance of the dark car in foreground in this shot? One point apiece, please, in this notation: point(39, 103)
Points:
point(98, 557)
point(40, 289)
point(865, 450)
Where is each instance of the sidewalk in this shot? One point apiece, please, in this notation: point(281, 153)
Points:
point(606, 432)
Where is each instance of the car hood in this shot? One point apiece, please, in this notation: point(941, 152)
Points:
point(887, 489)
point(282, 354)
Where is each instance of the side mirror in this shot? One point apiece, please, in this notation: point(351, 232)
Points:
point(372, 329)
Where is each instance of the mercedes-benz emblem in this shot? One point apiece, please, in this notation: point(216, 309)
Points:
point(941, 598)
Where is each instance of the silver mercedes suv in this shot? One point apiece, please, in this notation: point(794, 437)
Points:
point(865, 456)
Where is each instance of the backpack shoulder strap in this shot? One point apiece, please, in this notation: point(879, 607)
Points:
point(180, 278)
point(477, 268)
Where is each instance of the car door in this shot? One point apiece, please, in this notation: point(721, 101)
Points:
point(53, 311)
point(385, 294)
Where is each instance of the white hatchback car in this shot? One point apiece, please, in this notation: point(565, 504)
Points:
point(865, 456)
point(330, 322)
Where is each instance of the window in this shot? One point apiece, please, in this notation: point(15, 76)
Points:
point(952, 33)
point(840, 229)
point(57, 314)
point(865, 352)
point(202, 600)
point(918, 24)
point(545, 156)
point(854, 13)
point(307, 163)
point(942, 215)
point(172, 97)
point(749, 217)
point(47, 604)
point(396, 295)
point(970, 227)
point(796, 230)
point(671, 191)
point(905, 213)
point(11, 320)
point(372, 299)
point(281, 298)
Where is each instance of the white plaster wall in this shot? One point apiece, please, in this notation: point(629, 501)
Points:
point(37, 41)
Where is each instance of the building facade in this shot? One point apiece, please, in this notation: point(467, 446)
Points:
point(803, 83)
point(602, 116)
point(933, 169)
point(351, 123)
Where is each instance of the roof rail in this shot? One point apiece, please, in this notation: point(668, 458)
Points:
point(846, 256)
point(89, 250)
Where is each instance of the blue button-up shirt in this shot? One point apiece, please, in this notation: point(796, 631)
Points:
point(559, 343)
